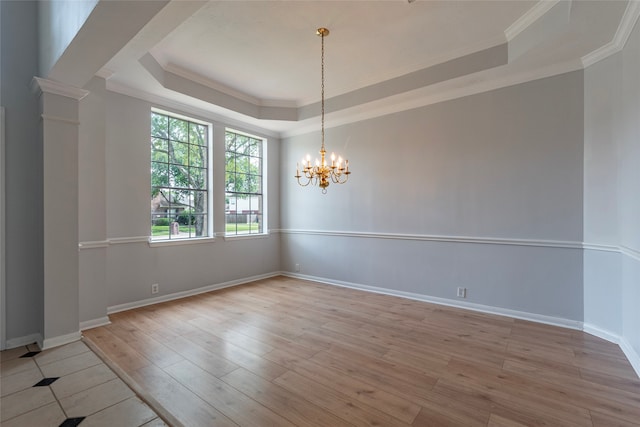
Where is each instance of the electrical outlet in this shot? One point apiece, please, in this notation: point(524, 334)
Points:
point(297, 268)
point(155, 288)
point(462, 293)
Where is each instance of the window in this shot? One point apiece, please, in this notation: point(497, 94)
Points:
point(180, 177)
point(244, 197)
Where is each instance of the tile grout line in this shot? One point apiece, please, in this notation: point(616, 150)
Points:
point(155, 406)
point(66, 416)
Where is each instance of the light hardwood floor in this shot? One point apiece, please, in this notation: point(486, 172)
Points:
point(287, 352)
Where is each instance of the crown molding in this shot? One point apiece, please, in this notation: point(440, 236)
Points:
point(628, 21)
point(105, 73)
point(167, 103)
point(529, 17)
point(40, 85)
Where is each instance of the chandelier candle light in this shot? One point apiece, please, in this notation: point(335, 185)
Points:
point(323, 174)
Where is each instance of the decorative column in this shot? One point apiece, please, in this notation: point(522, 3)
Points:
point(59, 105)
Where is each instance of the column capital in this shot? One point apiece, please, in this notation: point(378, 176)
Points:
point(40, 85)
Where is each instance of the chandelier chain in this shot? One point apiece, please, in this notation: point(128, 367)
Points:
point(322, 85)
point(324, 172)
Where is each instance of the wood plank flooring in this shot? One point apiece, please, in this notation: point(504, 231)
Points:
point(286, 352)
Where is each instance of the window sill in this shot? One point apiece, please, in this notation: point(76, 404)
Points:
point(180, 242)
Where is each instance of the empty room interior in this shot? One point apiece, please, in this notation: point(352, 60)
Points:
point(320, 213)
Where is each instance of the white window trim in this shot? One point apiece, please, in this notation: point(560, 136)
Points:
point(265, 197)
point(210, 213)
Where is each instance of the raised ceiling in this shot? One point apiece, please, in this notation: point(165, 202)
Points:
point(258, 62)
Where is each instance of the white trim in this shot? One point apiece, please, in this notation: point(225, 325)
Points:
point(39, 84)
point(622, 249)
point(631, 353)
point(168, 103)
point(125, 240)
point(601, 333)
point(60, 340)
point(440, 238)
point(464, 86)
point(25, 340)
point(59, 119)
point(191, 292)
point(93, 244)
point(179, 242)
point(630, 252)
point(628, 21)
point(531, 16)
point(94, 323)
point(539, 318)
point(600, 247)
point(232, 237)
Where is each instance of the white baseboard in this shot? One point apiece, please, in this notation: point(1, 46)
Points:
point(539, 318)
point(184, 294)
point(601, 333)
point(632, 355)
point(94, 323)
point(26, 340)
point(60, 340)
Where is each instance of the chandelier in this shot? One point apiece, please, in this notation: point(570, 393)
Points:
point(322, 174)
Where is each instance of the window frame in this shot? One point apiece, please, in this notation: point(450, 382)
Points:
point(263, 186)
point(210, 235)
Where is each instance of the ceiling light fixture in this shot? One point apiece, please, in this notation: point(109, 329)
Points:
point(322, 174)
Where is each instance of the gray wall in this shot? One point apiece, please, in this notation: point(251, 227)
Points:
point(59, 21)
point(24, 188)
point(612, 205)
point(485, 174)
point(114, 205)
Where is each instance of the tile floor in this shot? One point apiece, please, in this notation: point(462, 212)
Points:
point(66, 386)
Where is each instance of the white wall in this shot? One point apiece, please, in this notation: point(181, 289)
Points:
point(612, 205)
point(483, 175)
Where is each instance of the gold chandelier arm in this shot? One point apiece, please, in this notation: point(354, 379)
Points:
point(323, 173)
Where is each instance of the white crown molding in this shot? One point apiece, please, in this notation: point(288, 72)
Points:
point(39, 84)
point(451, 89)
point(532, 15)
point(440, 238)
point(166, 103)
point(189, 75)
point(628, 21)
point(197, 78)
